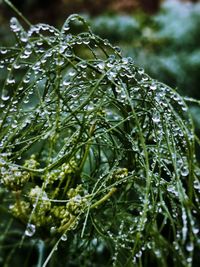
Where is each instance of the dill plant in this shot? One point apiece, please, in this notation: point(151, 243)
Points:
point(97, 159)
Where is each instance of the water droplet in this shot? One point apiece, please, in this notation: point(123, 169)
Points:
point(16, 66)
point(26, 79)
point(184, 171)
point(118, 49)
point(195, 230)
point(190, 247)
point(53, 230)
point(72, 73)
point(171, 189)
point(111, 74)
point(101, 65)
point(68, 53)
point(153, 86)
point(66, 83)
point(83, 65)
point(30, 230)
point(14, 25)
point(3, 51)
point(189, 260)
point(140, 70)
point(10, 80)
point(125, 61)
point(156, 117)
point(14, 124)
point(5, 97)
point(64, 237)
point(139, 254)
point(23, 37)
point(196, 184)
point(66, 27)
point(158, 253)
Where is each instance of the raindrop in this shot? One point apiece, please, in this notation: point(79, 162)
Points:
point(111, 75)
point(16, 66)
point(64, 237)
point(3, 51)
point(184, 171)
point(14, 124)
point(83, 65)
point(118, 49)
point(158, 253)
point(139, 254)
point(30, 229)
point(189, 260)
point(25, 101)
point(5, 97)
point(101, 65)
point(172, 190)
point(195, 230)
point(190, 247)
point(28, 51)
point(196, 184)
point(60, 62)
point(140, 70)
point(39, 43)
point(14, 25)
point(53, 230)
point(10, 80)
point(86, 42)
point(26, 80)
point(23, 37)
point(68, 53)
point(66, 83)
point(184, 108)
point(153, 86)
point(72, 73)
point(66, 27)
point(125, 61)
point(156, 117)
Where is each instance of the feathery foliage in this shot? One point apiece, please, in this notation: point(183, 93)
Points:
point(93, 152)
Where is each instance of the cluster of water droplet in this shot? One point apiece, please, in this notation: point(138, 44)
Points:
point(94, 118)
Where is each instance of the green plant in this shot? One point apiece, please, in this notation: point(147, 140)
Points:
point(97, 159)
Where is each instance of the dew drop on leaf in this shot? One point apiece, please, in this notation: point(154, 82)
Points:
point(190, 247)
point(3, 51)
point(153, 86)
point(184, 171)
point(30, 230)
point(64, 237)
point(156, 117)
point(5, 97)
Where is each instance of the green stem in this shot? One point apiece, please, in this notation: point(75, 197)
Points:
point(66, 226)
point(87, 149)
point(103, 199)
point(41, 248)
point(17, 12)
